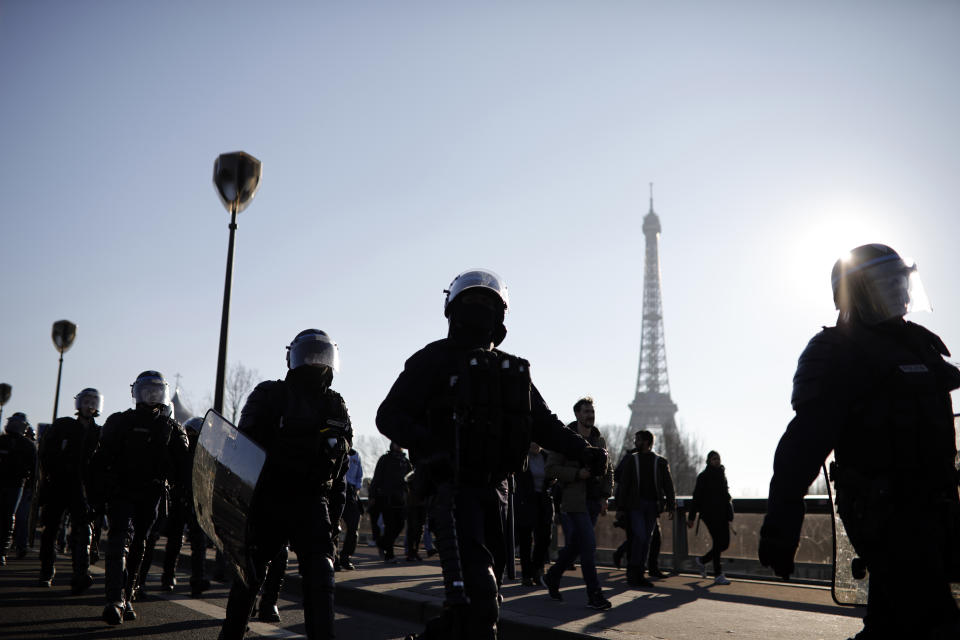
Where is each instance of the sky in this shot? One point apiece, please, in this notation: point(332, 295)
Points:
point(403, 143)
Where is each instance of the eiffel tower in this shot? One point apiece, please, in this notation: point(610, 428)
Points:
point(652, 408)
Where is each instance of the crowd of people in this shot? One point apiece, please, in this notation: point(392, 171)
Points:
point(874, 388)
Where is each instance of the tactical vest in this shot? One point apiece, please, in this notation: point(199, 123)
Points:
point(481, 422)
point(14, 460)
point(65, 449)
point(144, 457)
point(901, 423)
point(312, 438)
point(896, 451)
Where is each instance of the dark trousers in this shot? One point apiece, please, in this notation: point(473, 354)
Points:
point(643, 519)
point(270, 592)
point(416, 519)
point(393, 521)
point(533, 533)
point(130, 522)
point(304, 520)
point(21, 533)
point(911, 601)
point(159, 527)
point(9, 501)
point(653, 560)
point(719, 529)
point(60, 499)
point(183, 515)
point(479, 513)
point(373, 512)
point(351, 518)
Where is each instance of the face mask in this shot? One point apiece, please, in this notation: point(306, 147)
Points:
point(474, 326)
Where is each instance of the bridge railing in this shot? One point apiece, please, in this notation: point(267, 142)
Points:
point(814, 560)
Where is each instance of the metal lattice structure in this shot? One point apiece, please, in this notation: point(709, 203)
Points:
point(652, 407)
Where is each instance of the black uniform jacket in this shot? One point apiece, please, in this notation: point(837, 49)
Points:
point(139, 450)
point(18, 458)
point(66, 450)
point(402, 416)
point(287, 419)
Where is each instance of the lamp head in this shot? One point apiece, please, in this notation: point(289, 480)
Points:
point(236, 176)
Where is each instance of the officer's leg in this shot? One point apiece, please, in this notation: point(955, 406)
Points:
point(541, 535)
point(80, 534)
point(97, 531)
point(142, 545)
point(479, 531)
point(313, 544)
point(171, 554)
point(272, 585)
point(51, 516)
point(525, 541)
point(198, 554)
point(120, 517)
point(9, 501)
point(242, 595)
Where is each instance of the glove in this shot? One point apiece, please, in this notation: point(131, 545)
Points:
point(776, 552)
point(594, 459)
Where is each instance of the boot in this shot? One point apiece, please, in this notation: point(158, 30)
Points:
point(113, 613)
point(635, 576)
point(80, 583)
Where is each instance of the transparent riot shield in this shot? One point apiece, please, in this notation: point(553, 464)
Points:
point(226, 468)
point(847, 588)
point(955, 587)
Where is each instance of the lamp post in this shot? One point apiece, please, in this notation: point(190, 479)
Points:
point(236, 176)
point(64, 332)
point(5, 391)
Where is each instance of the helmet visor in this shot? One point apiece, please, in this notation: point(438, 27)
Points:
point(150, 391)
point(482, 278)
point(890, 289)
point(315, 351)
point(89, 400)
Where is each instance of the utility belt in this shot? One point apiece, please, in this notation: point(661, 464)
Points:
point(869, 505)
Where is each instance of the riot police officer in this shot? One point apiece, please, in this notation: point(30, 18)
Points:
point(18, 460)
point(875, 389)
point(181, 512)
point(140, 450)
point(467, 413)
point(65, 453)
point(304, 427)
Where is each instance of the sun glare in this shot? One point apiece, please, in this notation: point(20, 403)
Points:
point(824, 233)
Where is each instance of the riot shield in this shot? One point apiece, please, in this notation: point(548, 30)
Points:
point(226, 468)
point(846, 588)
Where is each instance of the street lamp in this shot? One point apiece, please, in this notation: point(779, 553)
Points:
point(64, 332)
point(5, 390)
point(237, 177)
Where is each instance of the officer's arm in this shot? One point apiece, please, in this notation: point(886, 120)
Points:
point(258, 416)
point(549, 432)
point(103, 460)
point(402, 416)
point(558, 468)
point(183, 461)
point(821, 397)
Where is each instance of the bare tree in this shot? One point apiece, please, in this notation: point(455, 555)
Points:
point(240, 382)
point(613, 434)
point(684, 453)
